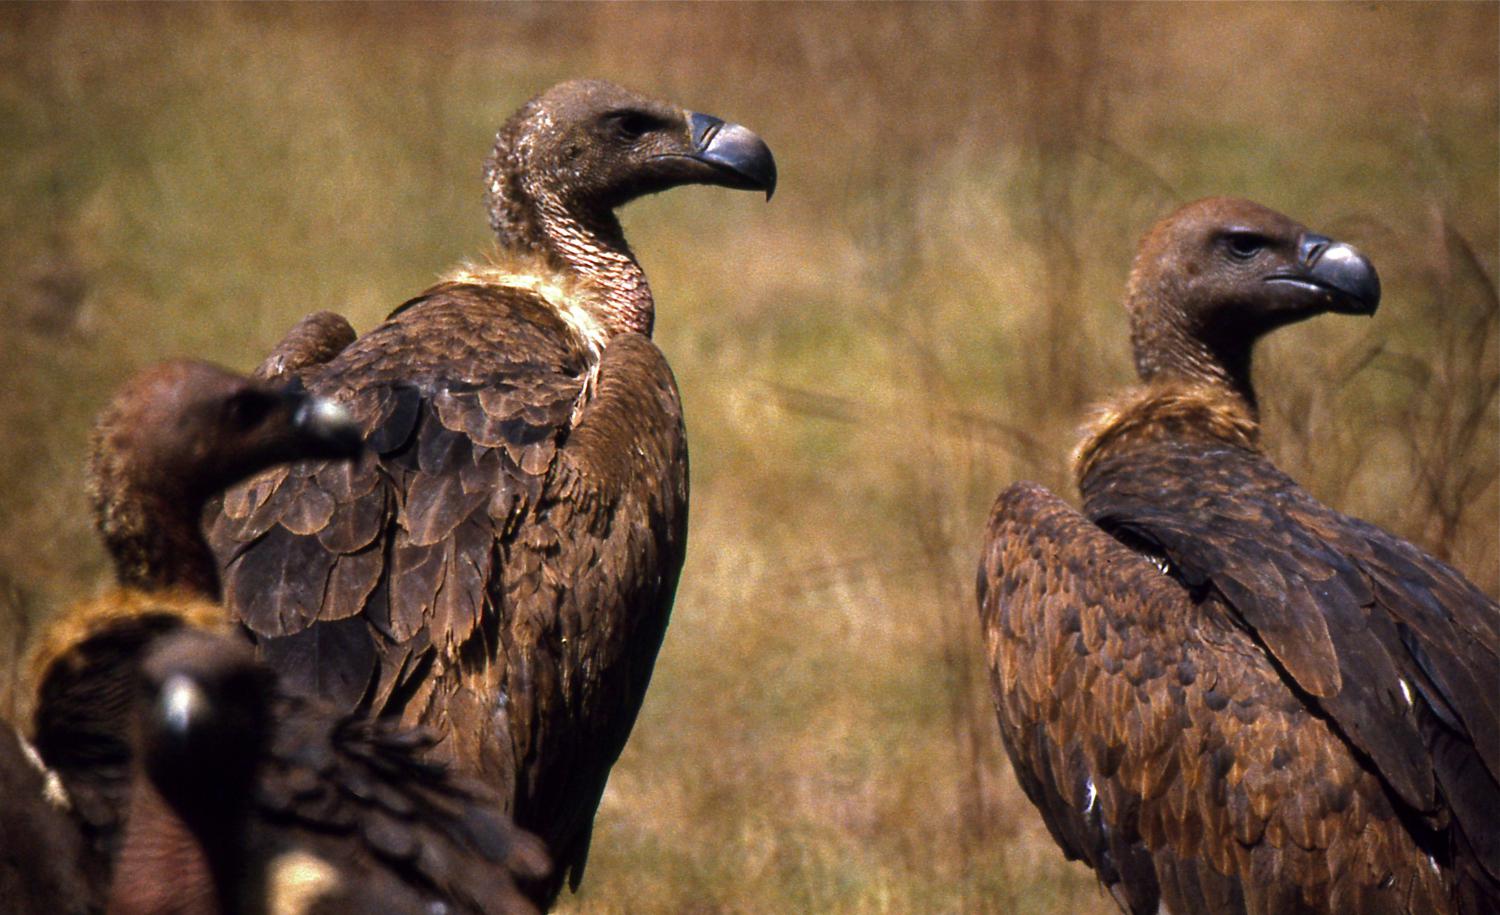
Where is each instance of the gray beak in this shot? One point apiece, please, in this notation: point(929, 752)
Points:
point(1341, 271)
point(328, 425)
point(742, 158)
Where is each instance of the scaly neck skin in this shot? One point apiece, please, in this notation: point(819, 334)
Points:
point(157, 842)
point(531, 217)
point(1167, 352)
point(155, 541)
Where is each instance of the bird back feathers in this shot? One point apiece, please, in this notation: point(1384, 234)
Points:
point(1170, 409)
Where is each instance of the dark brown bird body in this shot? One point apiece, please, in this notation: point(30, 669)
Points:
point(1221, 694)
point(170, 438)
point(504, 572)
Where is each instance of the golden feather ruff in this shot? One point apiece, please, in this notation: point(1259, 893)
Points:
point(114, 608)
point(1165, 410)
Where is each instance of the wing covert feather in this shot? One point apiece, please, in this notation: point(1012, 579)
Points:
point(510, 570)
point(1416, 647)
point(1149, 727)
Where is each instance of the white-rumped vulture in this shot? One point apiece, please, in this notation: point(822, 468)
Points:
point(189, 782)
point(504, 571)
point(1221, 694)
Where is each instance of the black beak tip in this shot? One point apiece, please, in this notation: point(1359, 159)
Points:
point(1369, 300)
point(1361, 284)
point(769, 182)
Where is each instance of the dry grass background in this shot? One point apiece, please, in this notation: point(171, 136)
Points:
point(921, 316)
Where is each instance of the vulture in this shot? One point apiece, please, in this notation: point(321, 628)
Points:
point(1222, 695)
point(257, 801)
point(181, 776)
point(171, 438)
point(503, 571)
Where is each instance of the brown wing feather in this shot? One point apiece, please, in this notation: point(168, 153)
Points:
point(512, 575)
point(1108, 674)
point(315, 542)
point(588, 583)
point(1411, 650)
point(359, 793)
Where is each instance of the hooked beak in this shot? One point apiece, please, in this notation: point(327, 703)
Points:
point(742, 159)
point(1345, 279)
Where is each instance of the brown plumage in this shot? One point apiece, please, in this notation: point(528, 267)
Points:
point(1222, 695)
point(45, 865)
point(183, 763)
point(503, 573)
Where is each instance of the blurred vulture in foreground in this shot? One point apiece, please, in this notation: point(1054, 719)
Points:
point(171, 755)
point(255, 801)
point(504, 571)
point(1221, 694)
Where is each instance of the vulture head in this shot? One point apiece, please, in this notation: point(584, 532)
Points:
point(1213, 277)
point(182, 431)
point(198, 427)
point(585, 147)
point(204, 721)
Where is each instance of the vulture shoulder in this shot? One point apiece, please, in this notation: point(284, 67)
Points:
point(1048, 582)
point(314, 340)
point(1160, 743)
point(1396, 648)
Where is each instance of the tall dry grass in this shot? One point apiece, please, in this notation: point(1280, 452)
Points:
point(920, 317)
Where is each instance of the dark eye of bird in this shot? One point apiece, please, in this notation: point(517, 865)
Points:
point(1243, 245)
point(632, 125)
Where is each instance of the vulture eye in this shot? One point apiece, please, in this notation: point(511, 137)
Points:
point(247, 408)
point(632, 125)
point(1242, 246)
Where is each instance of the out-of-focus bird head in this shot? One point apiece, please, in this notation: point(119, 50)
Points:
point(196, 428)
point(204, 722)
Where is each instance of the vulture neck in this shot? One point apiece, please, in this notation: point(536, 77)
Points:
point(529, 215)
point(159, 842)
point(1166, 411)
point(155, 540)
point(1169, 350)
